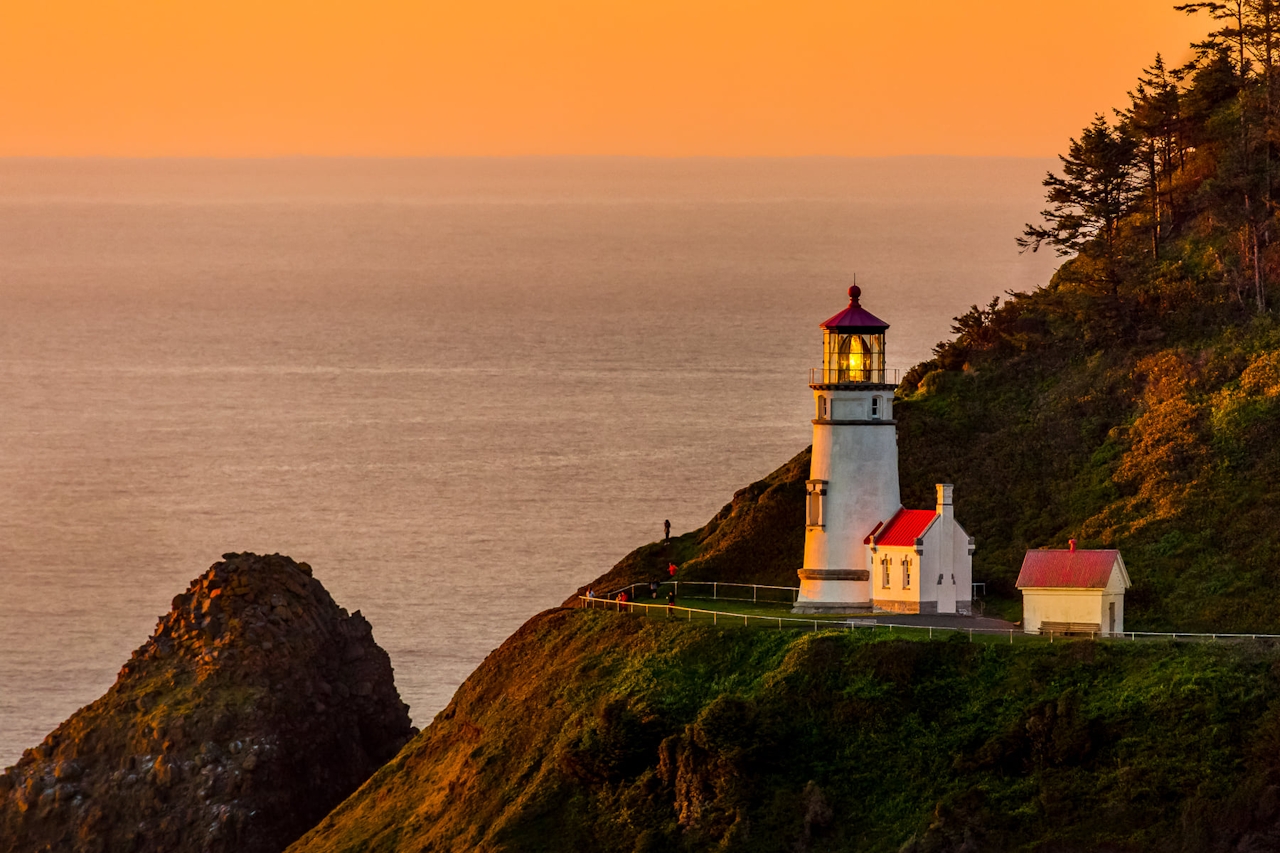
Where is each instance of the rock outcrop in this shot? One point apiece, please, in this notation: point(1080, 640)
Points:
point(256, 707)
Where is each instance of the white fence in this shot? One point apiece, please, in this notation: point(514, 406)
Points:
point(719, 590)
point(722, 617)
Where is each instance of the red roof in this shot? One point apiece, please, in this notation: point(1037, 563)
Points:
point(855, 318)
point(906, 526)
point(1067, 569)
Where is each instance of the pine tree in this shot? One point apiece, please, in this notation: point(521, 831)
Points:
point(1155, 113)
point(1098, 188)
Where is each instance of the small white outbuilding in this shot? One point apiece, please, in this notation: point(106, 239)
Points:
point(1073, 592)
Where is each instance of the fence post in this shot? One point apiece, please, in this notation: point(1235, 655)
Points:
point(714, 591)
point(1011, 636)
point(714, 616)
point(779, 623)
point(930, 632)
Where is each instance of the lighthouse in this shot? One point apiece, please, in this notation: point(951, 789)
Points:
point(853, 481)
point(862, 550)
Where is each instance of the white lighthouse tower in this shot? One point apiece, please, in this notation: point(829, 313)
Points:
point(862, 549)
point(853, 485)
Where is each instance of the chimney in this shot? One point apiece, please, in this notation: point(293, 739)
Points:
point(1072, 543)
point(944, 500)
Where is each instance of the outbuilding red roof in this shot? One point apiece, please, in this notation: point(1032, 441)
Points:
point(855, 318)
point(906, 526)
point(1067, 569)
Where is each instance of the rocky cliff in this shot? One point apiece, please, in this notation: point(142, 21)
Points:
point(256, 706)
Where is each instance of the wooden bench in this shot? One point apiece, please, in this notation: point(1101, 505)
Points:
point(1069, 629)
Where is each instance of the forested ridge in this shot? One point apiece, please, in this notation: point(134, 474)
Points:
point(1179, 189)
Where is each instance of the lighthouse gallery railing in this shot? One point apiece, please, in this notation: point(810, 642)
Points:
point(853, 376)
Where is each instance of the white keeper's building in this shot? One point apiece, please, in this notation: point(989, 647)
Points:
point(863, 551)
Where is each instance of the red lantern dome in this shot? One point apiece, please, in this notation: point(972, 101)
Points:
point(852, 347)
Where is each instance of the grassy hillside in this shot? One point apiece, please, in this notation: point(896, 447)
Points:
point(589, 730)
point(1165, 449)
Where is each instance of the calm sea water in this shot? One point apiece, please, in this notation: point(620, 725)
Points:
point(459, 388)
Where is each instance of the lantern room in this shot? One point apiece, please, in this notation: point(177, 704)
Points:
point(853, 346)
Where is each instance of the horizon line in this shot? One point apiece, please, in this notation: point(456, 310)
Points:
point(657, 157)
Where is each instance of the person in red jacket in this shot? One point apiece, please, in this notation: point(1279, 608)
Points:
point(671, 570)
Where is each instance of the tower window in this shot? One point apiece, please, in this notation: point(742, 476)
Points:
point(822, 407)
point(815, 505)
point(875, 408)
point(906, 573)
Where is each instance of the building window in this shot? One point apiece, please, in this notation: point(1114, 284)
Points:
point(875, 408)
point(822, 407)
point(906, 573)
point(815, 512)
point(885, 563)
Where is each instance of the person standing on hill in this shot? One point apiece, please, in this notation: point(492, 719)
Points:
point(671, 569)
point(666, 530)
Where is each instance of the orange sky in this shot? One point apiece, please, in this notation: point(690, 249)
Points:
point(645, 77)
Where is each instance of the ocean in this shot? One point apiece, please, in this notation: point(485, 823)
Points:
point(458, 388)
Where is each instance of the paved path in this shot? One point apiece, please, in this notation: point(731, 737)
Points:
point(935, 620)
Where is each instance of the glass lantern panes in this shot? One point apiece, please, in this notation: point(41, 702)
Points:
point(850, 357)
